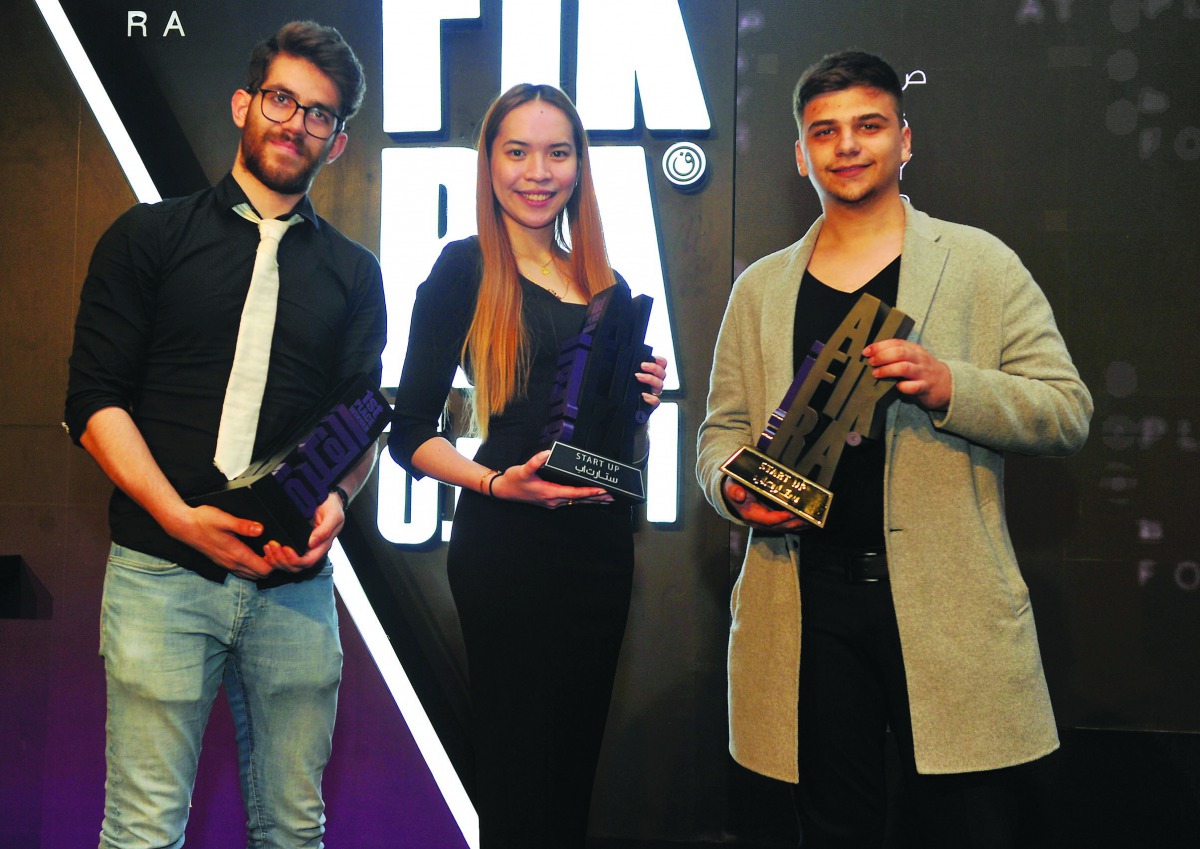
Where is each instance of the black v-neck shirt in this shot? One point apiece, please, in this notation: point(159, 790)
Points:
point(442, 314)
point(856, 515)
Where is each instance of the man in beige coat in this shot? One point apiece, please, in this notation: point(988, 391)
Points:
point(915, 614)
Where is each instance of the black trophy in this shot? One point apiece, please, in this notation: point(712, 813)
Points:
point(833, 401)
point(596, 403)
point(284, 490)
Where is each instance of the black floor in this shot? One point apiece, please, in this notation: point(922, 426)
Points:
point(1109, 790)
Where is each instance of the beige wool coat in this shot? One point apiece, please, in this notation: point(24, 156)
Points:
point(975, 681)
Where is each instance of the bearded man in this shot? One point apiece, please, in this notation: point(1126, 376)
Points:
point(167, 345)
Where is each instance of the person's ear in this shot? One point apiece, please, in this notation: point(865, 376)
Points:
point(335, 149)
point(240, 104)
point(801, 165)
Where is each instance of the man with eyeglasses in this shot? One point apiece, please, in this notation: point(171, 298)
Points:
point(167, 332)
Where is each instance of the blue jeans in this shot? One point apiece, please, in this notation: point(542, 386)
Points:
point(169, 639)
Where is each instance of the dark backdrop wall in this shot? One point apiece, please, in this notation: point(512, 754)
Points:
point(1070, 130)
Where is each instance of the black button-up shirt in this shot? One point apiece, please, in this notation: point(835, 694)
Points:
point(158, 323)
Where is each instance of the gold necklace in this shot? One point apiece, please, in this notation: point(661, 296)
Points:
point(546, 273)
point(566, 285)
point(544, 266)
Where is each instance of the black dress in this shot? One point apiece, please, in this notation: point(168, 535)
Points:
point(542, 595)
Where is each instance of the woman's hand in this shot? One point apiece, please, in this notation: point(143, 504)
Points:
point(522, 483)
point(653, 374)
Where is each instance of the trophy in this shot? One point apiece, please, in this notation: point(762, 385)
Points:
point(833, 401)
point(284, 490)
point(596, 402)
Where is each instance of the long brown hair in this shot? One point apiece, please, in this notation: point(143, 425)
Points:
point(496, 346)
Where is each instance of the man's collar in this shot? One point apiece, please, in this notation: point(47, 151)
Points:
point(229, 194)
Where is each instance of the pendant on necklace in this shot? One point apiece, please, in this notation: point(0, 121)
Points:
point(546, 272)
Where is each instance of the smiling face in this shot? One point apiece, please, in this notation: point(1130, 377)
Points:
point(851, 146)
point(284, 157)
point(534, 163)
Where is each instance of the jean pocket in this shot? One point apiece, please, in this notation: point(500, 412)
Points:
point(138, 561)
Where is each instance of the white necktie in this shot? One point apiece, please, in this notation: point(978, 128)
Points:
point(248, 378)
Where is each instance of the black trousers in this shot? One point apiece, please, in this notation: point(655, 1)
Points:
point(852, 690)
point(542, 597)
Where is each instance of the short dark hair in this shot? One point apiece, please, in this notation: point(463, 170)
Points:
point(325, 48)
point(847, 69)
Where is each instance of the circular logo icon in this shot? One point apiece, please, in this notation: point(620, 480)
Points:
point(684, 165)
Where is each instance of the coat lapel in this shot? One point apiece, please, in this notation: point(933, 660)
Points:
point(779, 318)
point(923, 260)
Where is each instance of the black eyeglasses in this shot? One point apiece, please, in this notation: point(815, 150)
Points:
point(279, 106)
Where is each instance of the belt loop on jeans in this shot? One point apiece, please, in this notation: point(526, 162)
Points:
point(856, 566)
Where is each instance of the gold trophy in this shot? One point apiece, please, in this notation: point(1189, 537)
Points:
point(833, 401)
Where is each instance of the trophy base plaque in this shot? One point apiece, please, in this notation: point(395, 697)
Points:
point(774, 481)
point(573, 466)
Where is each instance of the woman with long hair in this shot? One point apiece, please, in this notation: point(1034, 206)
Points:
point(540, 572)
